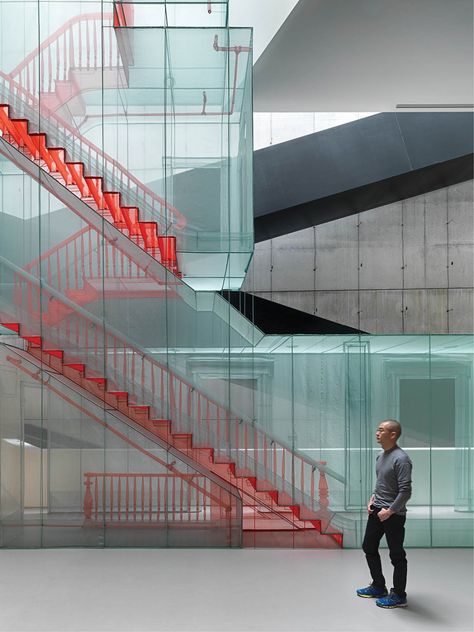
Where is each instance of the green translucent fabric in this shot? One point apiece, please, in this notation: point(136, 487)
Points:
point(165, 115)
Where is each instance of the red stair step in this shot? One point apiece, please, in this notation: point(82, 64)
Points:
point(39, 141)
point(121, 396)
point(5, 122)
point(76, 169)
point(100, 381)
point(149, 231)
point(21, 126)
point(140, 412)
point(59, 156)
point(76, 366)
point(12, 326)
point(296, 510)
point(183, 441)
point(204, 455)
point(112, 200)
point(131, 217)
point(34, 341)
point(338, 538)
point(57, 353)
point(94, 184)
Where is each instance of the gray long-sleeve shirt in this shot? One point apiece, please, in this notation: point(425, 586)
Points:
point(393, 486)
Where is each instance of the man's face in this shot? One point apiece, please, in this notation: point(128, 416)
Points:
point(384, 435)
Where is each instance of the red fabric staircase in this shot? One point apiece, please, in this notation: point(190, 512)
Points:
point(270, 517)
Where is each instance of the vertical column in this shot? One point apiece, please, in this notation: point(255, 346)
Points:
point(358, 458)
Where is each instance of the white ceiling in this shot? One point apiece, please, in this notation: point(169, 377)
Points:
point(265, 16)
point(359, 55)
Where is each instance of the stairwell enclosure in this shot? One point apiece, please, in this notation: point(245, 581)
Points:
point(153, 359)
point(135, 410)
point(161, 116)
point(98, 310)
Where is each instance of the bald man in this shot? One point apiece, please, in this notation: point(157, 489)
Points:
point(387, 515)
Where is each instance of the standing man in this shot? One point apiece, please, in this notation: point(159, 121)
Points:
point(387, 515)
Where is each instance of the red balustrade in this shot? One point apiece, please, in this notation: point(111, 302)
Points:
point(84, 42)
point(84, 268)
point(150, 498)
point(83, 152)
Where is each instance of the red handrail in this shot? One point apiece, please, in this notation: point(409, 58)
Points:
point(73, 266)
point(63, 38)
point(83, 150)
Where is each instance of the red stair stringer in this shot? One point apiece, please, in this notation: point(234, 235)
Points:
point(260, 502)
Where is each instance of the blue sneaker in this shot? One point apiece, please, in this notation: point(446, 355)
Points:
point(392, 601)
point(371, 592)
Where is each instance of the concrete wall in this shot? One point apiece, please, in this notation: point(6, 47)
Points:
point(406, 267)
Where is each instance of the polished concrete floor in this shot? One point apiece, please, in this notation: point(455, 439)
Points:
point(226, 590)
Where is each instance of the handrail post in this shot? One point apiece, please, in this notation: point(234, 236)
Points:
point(88, 498)
point(323, 489)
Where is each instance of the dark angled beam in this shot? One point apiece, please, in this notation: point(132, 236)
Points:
point(274, 318)
point(358, 166)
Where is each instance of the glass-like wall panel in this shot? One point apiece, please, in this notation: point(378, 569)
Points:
point(126, 395)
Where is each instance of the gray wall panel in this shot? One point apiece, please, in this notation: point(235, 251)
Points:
point(337, 255)
point(461, 311)
point(381, 311)
point(413, 252)
point(339, 306)
point(460, 234)
point(259, 275)
point(293, 261)
point(380, 247)
point(436, 217)
point(406, 250)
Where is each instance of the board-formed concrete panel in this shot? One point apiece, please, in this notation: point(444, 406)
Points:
point(413, 237)
point(380, 248)
point(293, 261)
point(259, 275)
point(303, 301)
point(437, 307)
point(337, 255)
point(406, 249)
point(461, 311)
point(436, 238)
point(342, 304)
point(460, 236)
point(381, 311)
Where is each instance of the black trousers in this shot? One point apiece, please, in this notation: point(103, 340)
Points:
point(394, 530)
